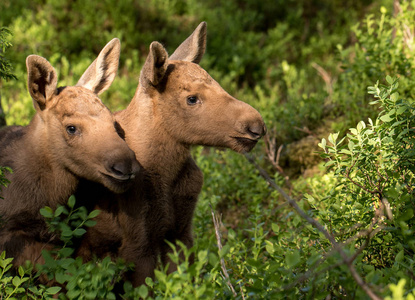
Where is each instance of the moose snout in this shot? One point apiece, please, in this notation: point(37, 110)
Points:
point(124, 169)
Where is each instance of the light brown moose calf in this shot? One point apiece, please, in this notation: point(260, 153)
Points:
point(72, 136)
point(176, 105)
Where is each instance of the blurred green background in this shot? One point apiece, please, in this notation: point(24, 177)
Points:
point(286, 58)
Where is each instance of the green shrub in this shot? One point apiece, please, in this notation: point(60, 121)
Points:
point(371, 203)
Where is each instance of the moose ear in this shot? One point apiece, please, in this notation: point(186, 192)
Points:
point(155, 65)
point(41, 80)
point(101, 73)
point(193, 48)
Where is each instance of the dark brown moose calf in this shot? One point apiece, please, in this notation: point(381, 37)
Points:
point(72, 136)
point(177, 104)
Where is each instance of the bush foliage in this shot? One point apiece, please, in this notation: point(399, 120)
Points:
point(322, 208)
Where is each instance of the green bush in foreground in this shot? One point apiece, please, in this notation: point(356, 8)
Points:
point(370, 207)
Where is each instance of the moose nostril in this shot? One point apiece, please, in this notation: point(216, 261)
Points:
point(121, 168)
point(256, 130)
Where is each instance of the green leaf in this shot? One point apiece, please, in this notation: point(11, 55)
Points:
point(323, 144)
point(71, 201)
point(61, 209)
point(16, 281)
point(49, 261)
point(400, 256)
point(66, 252)
point(66, 233)
point(161, 276)
point(345, 151)
point(333, 138)
point(401, 110)
point(202, 255)
point(47, 212)
point(90, 223)
point(200, 292)
point(79, 232)
point(292, 259)
point(395, 96)
point(73, 293)
point(329, 163)
point(269, 247)
point(386, 118)
point(225, 250)
point(275, 227)
point(149, 282)
point(213, 259)
point(389, 79)
point(21, 271)
point(94, 213)
point(53, 290)
point(111, 296)
point(143, 291)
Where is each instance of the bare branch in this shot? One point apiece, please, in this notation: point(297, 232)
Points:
point(306, 130)
point(387, 207)
point(216, 223)
point(326, 77)
point(274, 157)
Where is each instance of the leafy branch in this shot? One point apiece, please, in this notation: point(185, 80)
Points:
point(347, 260)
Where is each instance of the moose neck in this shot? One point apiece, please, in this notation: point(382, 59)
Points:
point(155, 149)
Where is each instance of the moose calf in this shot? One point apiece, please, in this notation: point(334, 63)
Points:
point(177, 104)
point(72, 136)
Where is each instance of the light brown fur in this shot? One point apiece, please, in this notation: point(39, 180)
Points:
point(71, 136)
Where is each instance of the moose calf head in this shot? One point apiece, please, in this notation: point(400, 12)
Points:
point(82, 135)
point(195, 109)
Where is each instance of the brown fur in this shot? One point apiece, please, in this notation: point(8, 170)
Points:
point(160, 127)
point(71, 136)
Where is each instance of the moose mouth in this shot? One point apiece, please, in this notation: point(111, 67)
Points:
point(246, 143)
point(118, 183)
point(119, 178)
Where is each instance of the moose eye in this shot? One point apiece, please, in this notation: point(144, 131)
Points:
point(192, 100)
point(71, 129)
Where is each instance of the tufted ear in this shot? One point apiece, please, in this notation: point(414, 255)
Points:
point(41, 80)
point(193, 48)
point(155, 66)
point(101, 73)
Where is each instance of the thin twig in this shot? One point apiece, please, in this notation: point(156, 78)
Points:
point(351, 229)
point(274, 157)
point(358, 184)
point(45, 245)
point(326, 77)
point(222, 261)
point(387, 207)
point(345, 258)
point(307, 274)
point(242, 293)
point(308, 131)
